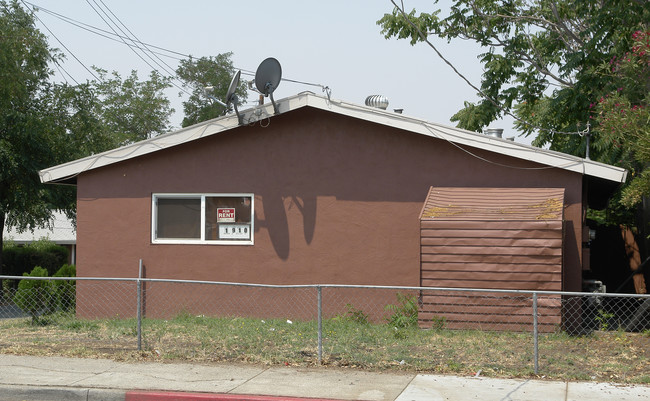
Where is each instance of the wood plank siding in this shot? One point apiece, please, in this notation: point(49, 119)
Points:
point(491, 238)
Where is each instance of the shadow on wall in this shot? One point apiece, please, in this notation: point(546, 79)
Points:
point(277, 224)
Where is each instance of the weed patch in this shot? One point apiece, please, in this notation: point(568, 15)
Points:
point(349, 341)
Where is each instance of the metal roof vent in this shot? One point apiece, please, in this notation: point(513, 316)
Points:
point(494, 132)
point(377, 101)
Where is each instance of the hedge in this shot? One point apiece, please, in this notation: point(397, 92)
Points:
point(18, 260)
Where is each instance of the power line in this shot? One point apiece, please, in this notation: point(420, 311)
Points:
point(124, 40)
point(104, 33)
point(62, 44)
point(143, 46)
point(148, 51)
point(64, 72)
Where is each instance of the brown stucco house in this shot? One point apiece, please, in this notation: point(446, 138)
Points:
point(317, 191)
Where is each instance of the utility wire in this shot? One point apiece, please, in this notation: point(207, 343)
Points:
point(143, 46)
point(167, 68)
point(425, 39)
point(106, 34)
point(124, 40)
point(114, 36)
point(64, 46)
point(64, 72)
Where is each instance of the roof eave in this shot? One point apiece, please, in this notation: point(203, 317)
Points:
point(67, 173)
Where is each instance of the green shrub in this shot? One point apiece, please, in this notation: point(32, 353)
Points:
point(34, 297)
point(18, 260)
point(64, 292)
point(405, 313)
point(604, 319)
point(353, 315)
point(438, 322)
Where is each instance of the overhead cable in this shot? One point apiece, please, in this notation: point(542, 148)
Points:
point(62, 44)
point(106, 34)
point(124, 40)
point(143, 46)
point(170, 69)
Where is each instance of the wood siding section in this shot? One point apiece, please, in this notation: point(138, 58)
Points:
point(491, 238)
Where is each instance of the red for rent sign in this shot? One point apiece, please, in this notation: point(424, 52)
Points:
point(225, 215)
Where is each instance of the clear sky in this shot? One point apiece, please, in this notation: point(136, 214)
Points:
point(334, 43)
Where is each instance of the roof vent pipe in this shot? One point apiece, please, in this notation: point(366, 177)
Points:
point(494, 132)
point(377, 101)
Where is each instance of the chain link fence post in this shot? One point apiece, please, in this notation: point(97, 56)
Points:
point(535, 334)
point(320, 323)
point(139, 305)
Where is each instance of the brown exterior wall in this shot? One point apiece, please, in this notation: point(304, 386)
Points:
point(337, 200)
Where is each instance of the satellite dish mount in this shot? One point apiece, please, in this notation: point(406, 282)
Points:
point(268, 77)
point(231, 97)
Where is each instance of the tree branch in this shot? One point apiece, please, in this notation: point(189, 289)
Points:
point(566, 30)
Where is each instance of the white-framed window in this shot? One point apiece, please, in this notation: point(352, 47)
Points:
point(219, 219)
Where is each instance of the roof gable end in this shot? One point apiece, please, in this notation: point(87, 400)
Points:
point(464, 140)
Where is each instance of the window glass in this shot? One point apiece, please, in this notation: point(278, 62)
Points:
point(179, 218)
point(203, 219)
point(228, 218)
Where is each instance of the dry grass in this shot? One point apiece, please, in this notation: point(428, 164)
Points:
point(602, 356)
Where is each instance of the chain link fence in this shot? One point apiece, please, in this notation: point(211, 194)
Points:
point(582, 335)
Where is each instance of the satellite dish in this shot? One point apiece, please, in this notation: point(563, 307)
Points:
point(234, 83)
point(267, 78)
point(231, 97)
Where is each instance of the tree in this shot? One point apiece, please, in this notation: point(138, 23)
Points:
point(541, 60)
point(25, 144)
point(550, 65)
point(197, 74)
point(132, 110)
point(108, 112)
point(43, 124)
point(623, 115)
point(74, 115)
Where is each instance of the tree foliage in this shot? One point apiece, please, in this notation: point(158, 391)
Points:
point(623, 115)
point(549, 63)
point(44, 123)
point(541, 58)
point(197, 74)
point(26, 146)
point(130, 109)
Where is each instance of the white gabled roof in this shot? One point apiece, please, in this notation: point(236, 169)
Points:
point(61, 231)
point(466, 140)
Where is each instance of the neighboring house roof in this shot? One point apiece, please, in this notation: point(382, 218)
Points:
point(61, 231)
point(494, 204)
point(464, 140)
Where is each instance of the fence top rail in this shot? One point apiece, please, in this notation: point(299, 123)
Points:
point(347, 286)
point(68, 278)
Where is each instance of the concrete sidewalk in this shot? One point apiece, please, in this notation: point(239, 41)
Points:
point(55, 378)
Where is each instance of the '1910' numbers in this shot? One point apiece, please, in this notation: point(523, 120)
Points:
point(234, 231)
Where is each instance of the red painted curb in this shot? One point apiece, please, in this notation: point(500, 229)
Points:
point(177, 396)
